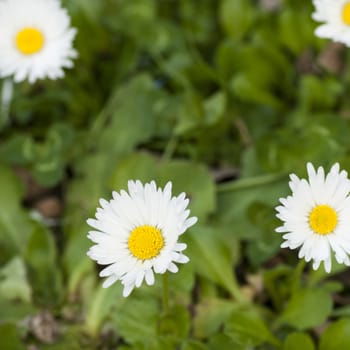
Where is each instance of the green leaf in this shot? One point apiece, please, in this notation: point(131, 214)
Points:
point(15, 311)
point(132, 112)
point(175, 323)
point(278, 282)
point(80, 203)
point(103, 304)
point(237, 197)
point(13, 278)
point(199, 187)
point(246, 88)
point(43, 272)
point(248, 327)
point(318, 94)
point(297, 341)
point(9, 337)
point(17, 150)
point(194, 345)
point(224, 342)
point(336, 336)
point(267, 244)
point(307, 308)
point(236, 17)
point(295, 29)
point(210, 315)
point(214, 108)
point(212, 257)
point(137, 319)
point(15, 224)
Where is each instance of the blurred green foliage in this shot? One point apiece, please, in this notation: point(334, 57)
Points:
point(236, 93)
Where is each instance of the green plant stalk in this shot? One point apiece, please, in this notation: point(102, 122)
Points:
point(165, 293)
point(244, 183)
point(170, 148)
point(236, 292)
point(296, 282)
point(6, 97)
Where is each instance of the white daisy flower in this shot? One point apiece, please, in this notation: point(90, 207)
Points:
point(35, 39)
point(138, 234)
point(316, 216)
point(336, 17)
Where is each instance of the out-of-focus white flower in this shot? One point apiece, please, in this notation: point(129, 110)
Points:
point(35, 39)
point(335, 15)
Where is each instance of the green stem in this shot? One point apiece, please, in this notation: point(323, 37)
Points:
point(165, 293)
point(170, 148)
point(250, 182)
point(236, 291)
point(6, 97)
point(297, 275)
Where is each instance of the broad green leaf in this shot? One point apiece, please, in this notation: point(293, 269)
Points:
point(15, 224)
point(318, 94)
point(199, 187)
point(307, 308)
point(295, 29)
point(336, 336)
point(212, 257)
point(81, 202)
point(236, 198)
point(278, 283)
point(194, 345)
point(297, 341)
point(138, 166)
point(214, 108)
point(13, 281)
point(268, 243)
point(224, 342)
point(43, 271)
point(183, 281)
point(15, 311)
point(9, 337)
point(132, 113)
point(103, 304)
point(236, 17)
point(137, 319)
point(247, 89)
point(176, 323)
point(17, 150)
point(210, 315)
point(249, 328)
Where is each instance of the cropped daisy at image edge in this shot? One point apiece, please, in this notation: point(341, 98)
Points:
point(35, 40)
point(316, 216)
point(335, 18)
point(136, 234)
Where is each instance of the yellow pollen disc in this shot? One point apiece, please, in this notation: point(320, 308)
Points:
point(346, 13)
point(145, 242)
point(29, 41)
point(323, 219)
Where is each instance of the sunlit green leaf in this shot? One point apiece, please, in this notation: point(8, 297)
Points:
point(248, 328)
point(13, 281)
point(9, 337)
point(297, 341)
point(336, 336)
point(307, 308)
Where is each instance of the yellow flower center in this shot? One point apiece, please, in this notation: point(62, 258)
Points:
point(29, 41)
point(346, 13)
point(145, 242)
point(323, 219)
